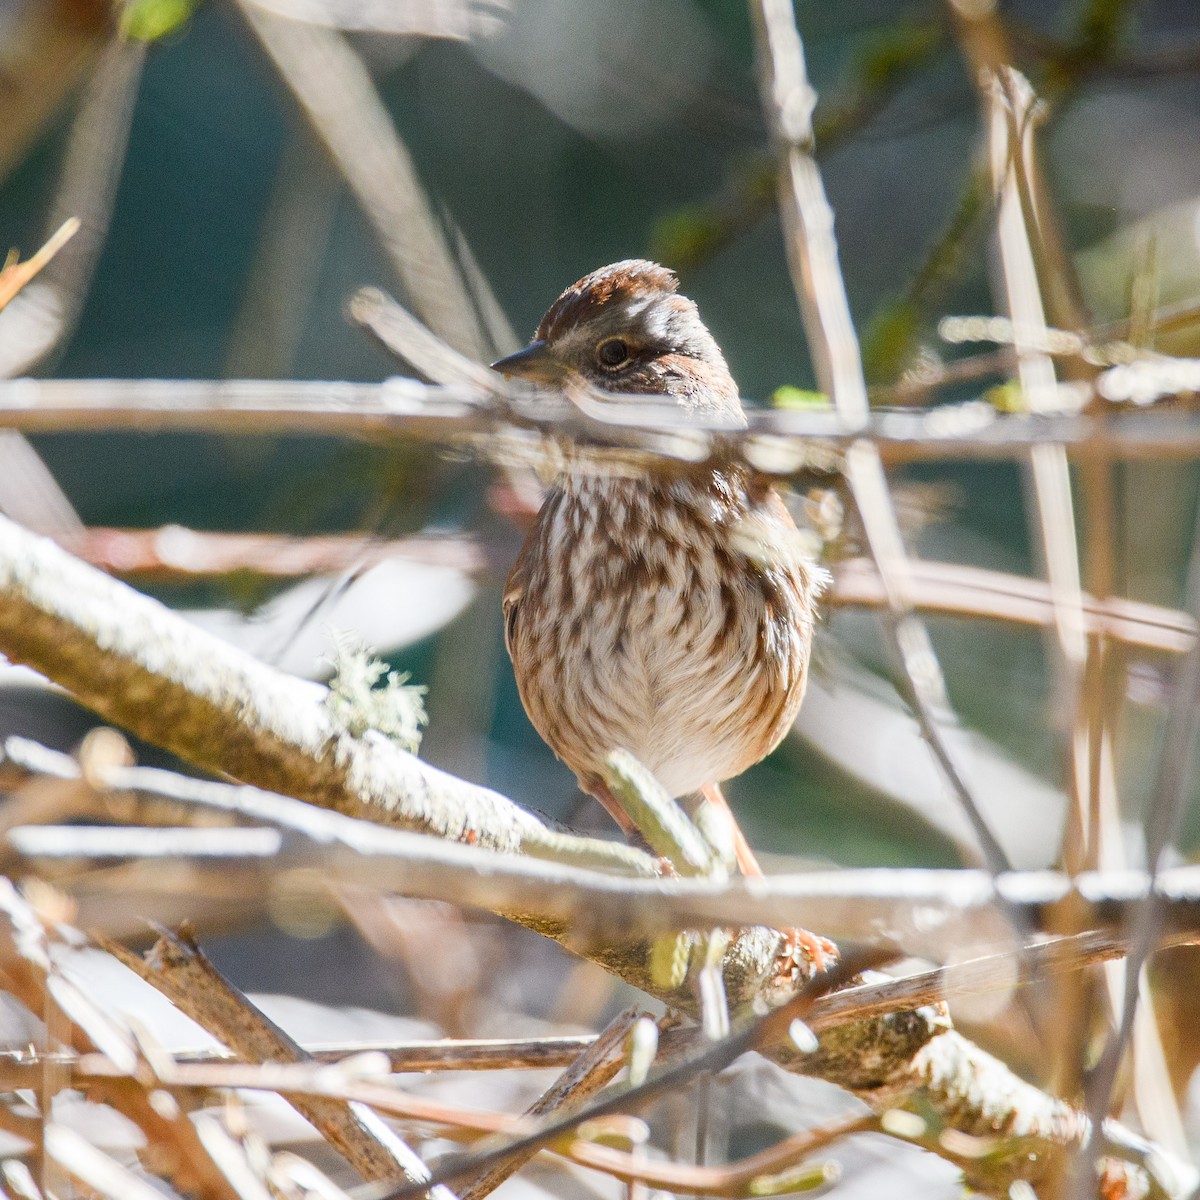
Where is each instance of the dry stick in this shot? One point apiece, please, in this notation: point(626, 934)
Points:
point(820, 290)
point(399, 333)
point(333, 87)
point(30, 977)
point(1008, 105)
point(766, 1173)
point(301, 1082)
point(1099, 822)
point(15, 274)
point(594, 1069)
point(950, 589)
point(137, 664)
point(852, 903)
point(418, 1057)
point(1112, 900)
point(92, 1167)
point(177, 968)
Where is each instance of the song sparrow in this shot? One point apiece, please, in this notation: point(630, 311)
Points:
point(667, 614)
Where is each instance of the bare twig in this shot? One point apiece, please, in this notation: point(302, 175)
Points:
point(760, 1033)
point(1167, 806)
point(15, 274)
point(954, 590)
point(778, 443)
point(444, 1054)
point(849, 903)
point(414, 344)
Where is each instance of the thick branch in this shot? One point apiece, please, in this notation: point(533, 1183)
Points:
point(134, 662)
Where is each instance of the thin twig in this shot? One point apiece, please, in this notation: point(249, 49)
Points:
point(849, 903)
point(758, 1033)
point(1165, 812)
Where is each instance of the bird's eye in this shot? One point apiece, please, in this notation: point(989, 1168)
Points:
point(613, 353)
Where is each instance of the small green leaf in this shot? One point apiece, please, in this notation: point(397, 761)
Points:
point(1007, 397)
point(798, 398)
point(149, 20)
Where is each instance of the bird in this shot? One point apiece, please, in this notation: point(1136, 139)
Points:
point(669, 614)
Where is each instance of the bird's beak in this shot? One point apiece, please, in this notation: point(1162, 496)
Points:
point(534, 363)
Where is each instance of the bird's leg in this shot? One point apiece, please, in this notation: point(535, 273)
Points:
point(819, 949)
point(747, 863)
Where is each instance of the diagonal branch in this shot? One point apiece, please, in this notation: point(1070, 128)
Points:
point(177, 967)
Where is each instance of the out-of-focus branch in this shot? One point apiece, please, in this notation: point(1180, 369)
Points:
point(31, 977)
point(43, 318)
point(443, 1054)
point(852, 904)
point(778, 443)
point(333, 87)
point(174, 552)
point(950, 589)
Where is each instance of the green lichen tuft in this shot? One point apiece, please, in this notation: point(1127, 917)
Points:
point(364, 695)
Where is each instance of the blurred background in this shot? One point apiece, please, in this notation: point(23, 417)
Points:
point(242, 168)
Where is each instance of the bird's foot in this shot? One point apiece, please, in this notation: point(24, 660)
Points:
point(803, 954)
